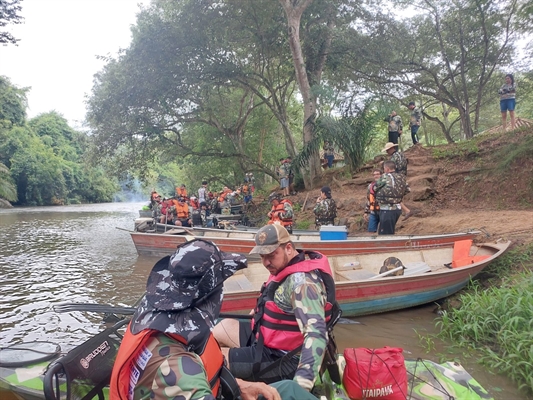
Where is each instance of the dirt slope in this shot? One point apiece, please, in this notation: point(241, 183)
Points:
point(470, 185)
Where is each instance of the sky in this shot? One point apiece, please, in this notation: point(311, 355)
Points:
point(56, 54)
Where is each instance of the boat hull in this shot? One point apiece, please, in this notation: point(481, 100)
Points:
point(162, 244)
point(373, 296)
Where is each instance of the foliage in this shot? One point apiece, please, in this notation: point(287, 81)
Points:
point(464, 148)
point(9, 14)
point(511, 154)
point(351, 133)
point(8, 189)
point(499, 323)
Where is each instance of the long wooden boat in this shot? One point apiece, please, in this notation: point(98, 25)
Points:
point(165, 243)
point(36, 371)
point(361, 289)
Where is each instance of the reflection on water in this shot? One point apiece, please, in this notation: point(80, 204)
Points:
point(50, 255)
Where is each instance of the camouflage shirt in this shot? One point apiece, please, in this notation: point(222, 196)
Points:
point(416, 117)
point(283, 172)
point(400, 162)
point(304, 295)
point(325, 212)
point(390, 189)
point(172, 372)
point(395, 123)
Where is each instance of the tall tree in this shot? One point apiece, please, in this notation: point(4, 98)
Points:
point(9, 14)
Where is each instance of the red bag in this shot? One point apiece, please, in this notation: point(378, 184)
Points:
point(375, 374)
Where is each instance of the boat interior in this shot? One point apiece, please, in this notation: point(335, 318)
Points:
point(364, 267)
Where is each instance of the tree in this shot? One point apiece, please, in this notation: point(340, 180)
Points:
point(449, 55)
point(9, 14)
point(8, 190)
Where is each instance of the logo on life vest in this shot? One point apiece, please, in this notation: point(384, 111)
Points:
point(102, 349)
point(379, 392)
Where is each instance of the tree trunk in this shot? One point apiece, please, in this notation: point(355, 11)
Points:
point(294, 11)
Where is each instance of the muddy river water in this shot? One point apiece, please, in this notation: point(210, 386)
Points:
point(83, 253)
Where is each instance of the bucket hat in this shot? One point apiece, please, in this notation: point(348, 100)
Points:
point(389, 145)
point(184, 291)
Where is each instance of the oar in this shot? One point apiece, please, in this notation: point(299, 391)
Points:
point(106, 308)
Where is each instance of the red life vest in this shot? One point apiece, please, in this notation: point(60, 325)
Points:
point(277, 210)
point(278, 328)
point(131, 348)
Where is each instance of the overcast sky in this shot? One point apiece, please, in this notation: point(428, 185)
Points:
point(56, 54)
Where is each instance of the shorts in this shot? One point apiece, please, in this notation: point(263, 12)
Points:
point(284, 182)
point(507, 105)
point(242, 360)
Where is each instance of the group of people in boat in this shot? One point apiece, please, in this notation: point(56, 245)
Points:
point(172, 346)
point(186, 210)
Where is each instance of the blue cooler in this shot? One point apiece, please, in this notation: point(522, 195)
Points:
point(330, 232)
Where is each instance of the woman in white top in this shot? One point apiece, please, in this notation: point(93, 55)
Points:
point(507, 100)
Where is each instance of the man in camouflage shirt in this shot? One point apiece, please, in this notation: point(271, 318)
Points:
point(183, 299)
point(395, 126)
point(390, 189)
point(400, 166)
point(414, 121)
point(301, 293)
point(325, 209)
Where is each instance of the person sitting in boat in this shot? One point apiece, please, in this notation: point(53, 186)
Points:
point(325, 209)
point(182, 211)
point(181, 191)
point(168, 212)
point(281, 212)
point(168, 350)
point(194, 203)
point(293, 319)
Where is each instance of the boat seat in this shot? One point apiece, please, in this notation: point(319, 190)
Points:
point(416, 268)
point(237, 282)
point(356, 274)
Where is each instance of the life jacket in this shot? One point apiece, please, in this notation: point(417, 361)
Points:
point(245, 189)
point(277, 210)
point(182, 210)
point(131, 355)
point(181, 192)
point(194, 204)
point(372, 202)
point(278, 329)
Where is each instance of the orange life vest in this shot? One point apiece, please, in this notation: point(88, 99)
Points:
point(131, 349)
point(182, 210)
point(372, 202)
point(276, 211)
point(181, 192)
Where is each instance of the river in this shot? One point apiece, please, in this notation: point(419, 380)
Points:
point(83, 253)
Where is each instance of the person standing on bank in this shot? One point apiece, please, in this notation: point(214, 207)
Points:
point(400, 163)
point(508, 101)
point(371, 214)
point(414, 121)
point(395, 126)
point(329, 153)
point(293, 318)
point(390, 189)
point(325, 209)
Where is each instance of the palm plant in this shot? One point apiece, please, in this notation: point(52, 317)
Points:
point(8, 190)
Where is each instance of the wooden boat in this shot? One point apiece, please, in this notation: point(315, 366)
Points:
point(165, 243)
point(361, 289)
point(35, 371)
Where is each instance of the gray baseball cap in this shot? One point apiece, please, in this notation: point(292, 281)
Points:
point(269, 238)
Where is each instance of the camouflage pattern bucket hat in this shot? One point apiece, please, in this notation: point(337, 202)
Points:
point(184, 291)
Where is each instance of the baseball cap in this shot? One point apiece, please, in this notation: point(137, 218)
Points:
point(269, 238)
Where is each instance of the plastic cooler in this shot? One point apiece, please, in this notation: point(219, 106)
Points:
point(330, 232)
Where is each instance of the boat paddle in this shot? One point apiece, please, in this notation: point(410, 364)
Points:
point(106, 308)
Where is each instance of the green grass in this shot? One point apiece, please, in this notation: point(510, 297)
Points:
point(461, 149)
point(304, 225)
point(497, 323)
